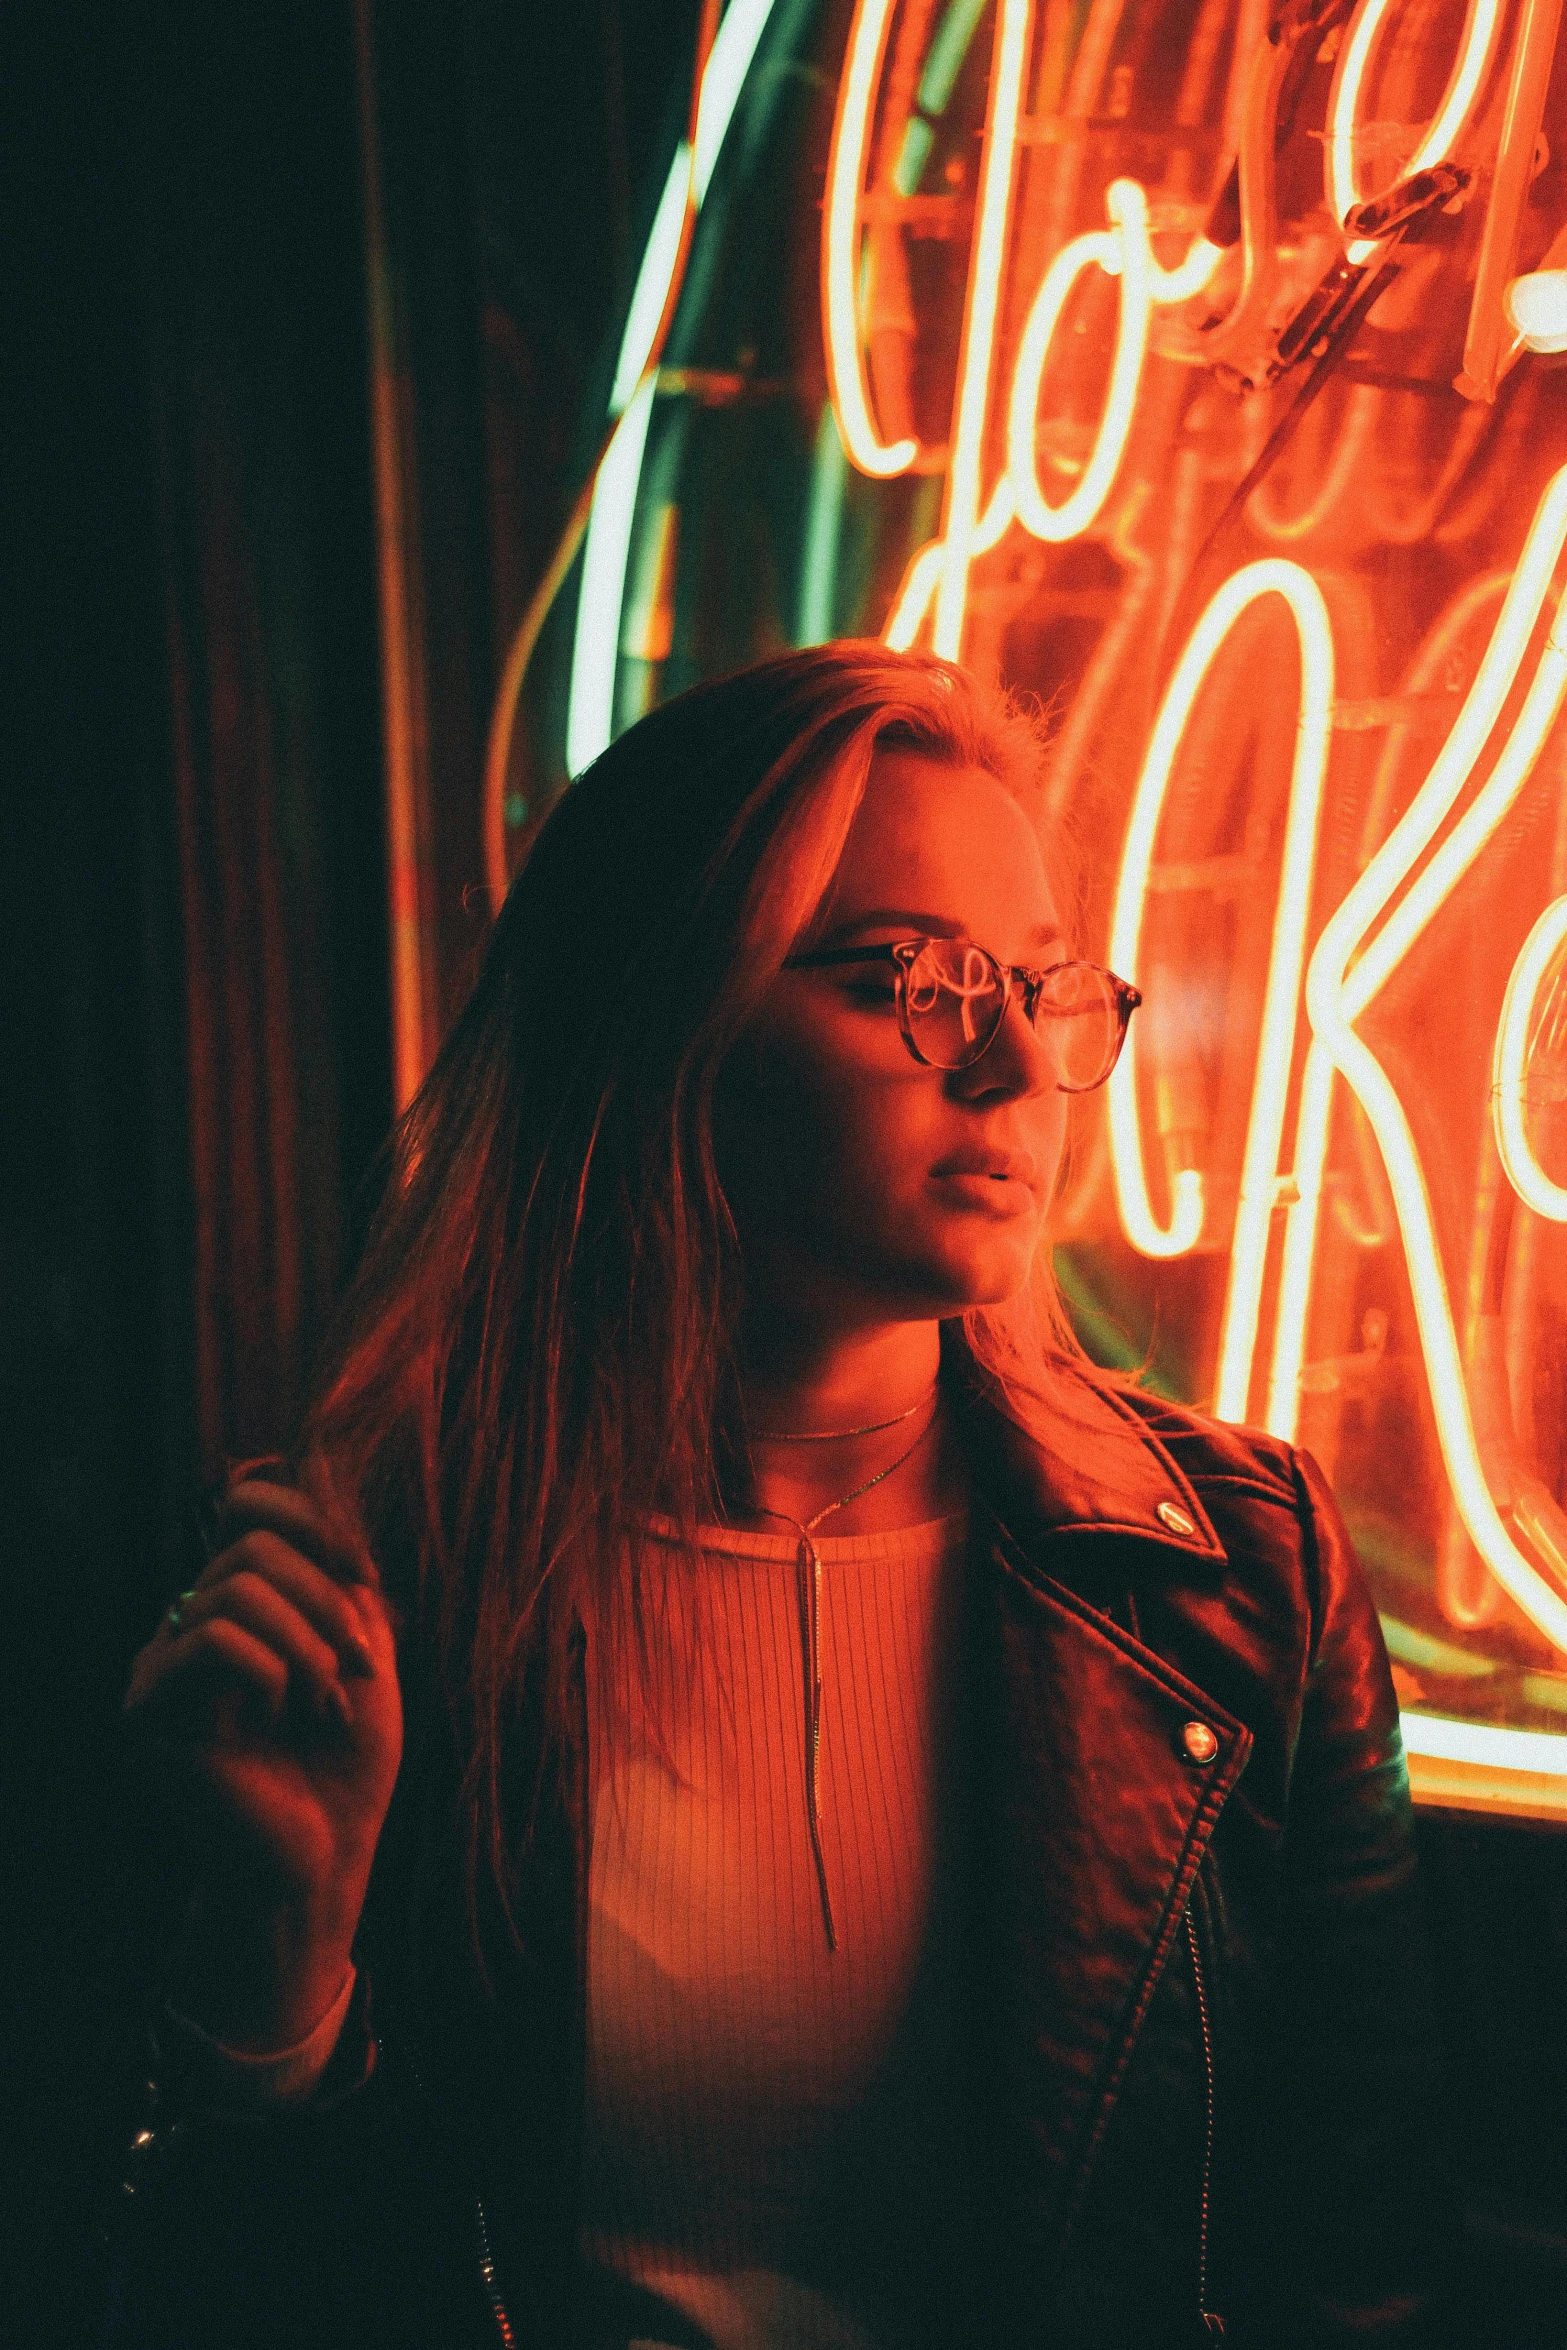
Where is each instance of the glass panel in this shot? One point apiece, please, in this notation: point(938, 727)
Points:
point(1209, 389)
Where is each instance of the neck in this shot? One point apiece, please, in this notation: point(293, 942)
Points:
point(800, 1382)
point(796, 1382)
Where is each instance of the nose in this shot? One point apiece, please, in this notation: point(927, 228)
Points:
point(1015, 1064)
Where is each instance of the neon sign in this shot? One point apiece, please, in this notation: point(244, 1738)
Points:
point(1333, 998)
point(1181, 446)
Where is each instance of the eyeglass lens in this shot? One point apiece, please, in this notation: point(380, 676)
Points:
point(955, 995)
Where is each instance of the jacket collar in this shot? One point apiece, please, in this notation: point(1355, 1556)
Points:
point(1095, 1811)
point(1083, 1461)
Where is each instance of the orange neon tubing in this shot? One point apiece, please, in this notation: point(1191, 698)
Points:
point(840, 249)
point(1014, 23)
point(1343, 190)
point(1121, 251)
point(1312, 1119)
point(1273, 576)
point(1514, 1038)
point(1337, 994)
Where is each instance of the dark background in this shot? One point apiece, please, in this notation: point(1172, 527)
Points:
point(195, 1054)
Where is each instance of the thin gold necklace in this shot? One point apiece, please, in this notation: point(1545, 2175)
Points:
point(808, 1586)
point(831, 1435)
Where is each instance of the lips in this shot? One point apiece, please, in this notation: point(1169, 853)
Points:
point(1001, 1166)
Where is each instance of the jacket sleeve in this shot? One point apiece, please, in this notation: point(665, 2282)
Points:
point(1367, 2214)
point(343, 2219)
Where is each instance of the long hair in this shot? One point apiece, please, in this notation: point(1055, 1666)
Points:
point(536, 1355)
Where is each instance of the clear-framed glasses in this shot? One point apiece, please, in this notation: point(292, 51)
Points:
point(952, 997)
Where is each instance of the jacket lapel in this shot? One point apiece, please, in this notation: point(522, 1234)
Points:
point(1097, 1798)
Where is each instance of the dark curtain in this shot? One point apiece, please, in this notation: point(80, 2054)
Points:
point(192, 907)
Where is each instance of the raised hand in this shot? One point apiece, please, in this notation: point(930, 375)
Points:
point(275, 1682)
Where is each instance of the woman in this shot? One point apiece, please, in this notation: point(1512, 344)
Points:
point(751, 1798)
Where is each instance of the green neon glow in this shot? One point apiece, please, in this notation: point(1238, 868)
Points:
point(947, 52)
point(823, 529)
point(918, 139)
point(1426, 1655)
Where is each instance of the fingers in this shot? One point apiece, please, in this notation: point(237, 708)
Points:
point(326, 1624)
point(258, 1506)
point(219, 1653)
point(258, 1599)
point(268, 1615)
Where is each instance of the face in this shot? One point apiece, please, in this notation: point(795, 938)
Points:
point(864, 1185)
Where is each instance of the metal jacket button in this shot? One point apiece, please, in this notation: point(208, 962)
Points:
point(1176, 1519)
point(1200, 1742)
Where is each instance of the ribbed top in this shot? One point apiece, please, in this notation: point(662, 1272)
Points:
point(768, 2135)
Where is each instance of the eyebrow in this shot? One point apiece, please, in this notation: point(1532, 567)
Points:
point(910, 924)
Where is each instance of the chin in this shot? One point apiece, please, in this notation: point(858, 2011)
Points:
point(958, 1279)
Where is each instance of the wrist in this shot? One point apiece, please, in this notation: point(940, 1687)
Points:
point(259, 1974)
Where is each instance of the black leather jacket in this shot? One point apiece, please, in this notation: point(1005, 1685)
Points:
point(1205, 2080)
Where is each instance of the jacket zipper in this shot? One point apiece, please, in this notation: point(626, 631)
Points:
point(487, 2276)
point(492, 2291)
point(1212, 2323)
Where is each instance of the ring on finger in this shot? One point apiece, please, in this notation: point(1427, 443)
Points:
point(175, 1619)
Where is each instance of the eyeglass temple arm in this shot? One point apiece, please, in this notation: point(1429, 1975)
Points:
point(883, 954)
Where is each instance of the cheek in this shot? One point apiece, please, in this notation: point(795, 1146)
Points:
point(809, 1133)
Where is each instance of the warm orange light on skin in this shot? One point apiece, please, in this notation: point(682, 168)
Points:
point(840, 249)
point(1336, 995)
point(1510, 1073)
point(1343, 190)
point(1014, 20)
point(1275, 1045)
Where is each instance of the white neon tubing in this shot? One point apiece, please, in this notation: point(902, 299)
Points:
point(728, 62)
point(1128, 205)
point(1189, 276)
point(1282, 1412)
point(917, 589)
point(1120, 251)
point(1480, 27)
point(840, 250)
point(1276, 1042)
point(1536, 306)
point(1013, 23)
point(1379, 884)
point(1450, 771)
point(1301, 593)
point(1524, 1171)
point(590, 710)
point(915, 597)
point(652, 287)
point(1312, 1119)
point(1439, 1342)
point(1437, 1735)
point(1332, 1001)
